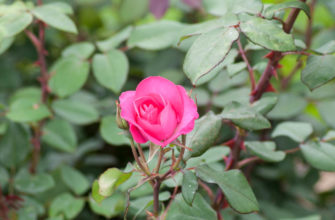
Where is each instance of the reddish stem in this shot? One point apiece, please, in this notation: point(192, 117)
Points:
point(251, 71)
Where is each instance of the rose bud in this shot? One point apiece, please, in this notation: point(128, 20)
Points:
point(158, 111)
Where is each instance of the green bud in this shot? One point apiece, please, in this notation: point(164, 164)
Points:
point(121, 123)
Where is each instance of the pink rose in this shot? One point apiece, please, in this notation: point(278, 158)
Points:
point(158, 110)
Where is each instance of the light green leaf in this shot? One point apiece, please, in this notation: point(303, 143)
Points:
point(265, 150)
point(82, 50)
point(266, 103)
point(65, 204)
point(111, 133)
point(68, 75)
point(320, 155)
point(216, 84)
point(288, 106)
point(110, 180)
point(55, 18)
point(327, 48)
point(61, 7)
point(297, 131)
point(267, 34)
point(110, 207)
point(75, 112)
point(326, 109)
point(219, 7)
point(75, 180)
point(131, 10)
point(111, 69)
point(318, 71)
point(200, 209)
point(208, 51)
point(13, 23)
point(30, 208)
point(60, 134)
point(189, 186)
point(114, 41)
point(204, 134)
point(330, 136)
point(95, 192)
point(213, 154)
point(14, 145)
point(155, 36)
point(234, 186)
point(33, 184)
point(269, 11)
point(244, 116)
point(240, 95)
point(235, 68)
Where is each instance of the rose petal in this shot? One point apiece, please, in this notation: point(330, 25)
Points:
point(163, 87)
point(137, 135)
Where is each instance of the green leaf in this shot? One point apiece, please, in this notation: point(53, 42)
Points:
point(267, 34)
point(68, 75)
point(155, 36)
point(212, 155)
point(61, 7)
point(5, 43)
point(327, 48)
point(4, 177)
point(244, 117)
point(288, 106)
point(110, 207)
point(218, 7)
point(235, 68)
point(269, 11)
point(14, 145)
point(189, 186)
point(55, 18)
point(297, 131)
point(204, 134)
point(131, 10)
point(216, 84)
point(265, 150)
point(33, 184)
point(266, 103)
point(111, 69)
point(75, 112)
point(200, 209)
point(320, 155)
point(110, 180)
point(82, 50)
point(318, 71)
point(95, 192)
point(235, 187)
point(60, 134)
point(111, 133)
point(13, 23)
point(27, 109)
point(326, 109)
point(240, 95)
point(330, 136)
point(65, 204)
point(75, 180)
point(114, 41)
point(30, 208)
point(208, 51)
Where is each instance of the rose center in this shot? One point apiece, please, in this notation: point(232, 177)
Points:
point(149, 112)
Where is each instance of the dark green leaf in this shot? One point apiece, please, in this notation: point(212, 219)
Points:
point(326, 109)
point(208, 51)
point(110, 180)
point(265, 150)
point(318, 70)
point(65, 204)
point(244, 116)
point(235, 187)
point(212, 155)
point(200, 209)
point(297, 131)
point(111, 69)
point(69, 74)
point(216, 84)
point(267, 34)
point(4, 177)
point(60, 134)
point(320, 155)
point(111, 133)
point(266, 103)
point(205, 132)
point(33, 184)
point(189, 186)
point(75, 112)
point(55, 18)
point(240, 95)
point(75, 180)
point(288, 106)
point(269, 11)
point(14, 145)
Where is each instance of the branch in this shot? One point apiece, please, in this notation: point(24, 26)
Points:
point(251, 71)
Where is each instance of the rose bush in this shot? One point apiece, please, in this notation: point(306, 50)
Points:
point(158, 110)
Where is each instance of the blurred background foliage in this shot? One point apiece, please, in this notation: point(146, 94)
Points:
point(287, 190)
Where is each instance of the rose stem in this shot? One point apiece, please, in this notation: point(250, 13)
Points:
point(250, 70)
point(144, 161)
point(133, 149)
point(156, 187)
point(160, 157)
point(43, 79)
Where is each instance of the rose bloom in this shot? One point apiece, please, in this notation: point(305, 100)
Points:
point(158, 111)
